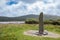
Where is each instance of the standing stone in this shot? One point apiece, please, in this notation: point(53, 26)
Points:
point(41, 28)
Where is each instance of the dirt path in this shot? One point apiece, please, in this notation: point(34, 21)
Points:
point(33, 33)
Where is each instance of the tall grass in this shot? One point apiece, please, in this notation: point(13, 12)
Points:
point(15, 31)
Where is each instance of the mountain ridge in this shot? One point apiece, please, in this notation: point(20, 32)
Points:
point(23, 18)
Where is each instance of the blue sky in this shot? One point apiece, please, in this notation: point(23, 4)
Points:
point(13, 8)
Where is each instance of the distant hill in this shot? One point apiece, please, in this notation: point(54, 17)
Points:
point(51, 17)
point(23, 18)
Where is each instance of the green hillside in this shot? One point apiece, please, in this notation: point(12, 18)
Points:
point(23, 18)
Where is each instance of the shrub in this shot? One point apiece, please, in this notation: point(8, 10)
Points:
point(47, 22)
point(34, 21)
point(31, 21)
point(56, 23)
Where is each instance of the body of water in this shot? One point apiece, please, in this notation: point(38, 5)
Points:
point(13, 22)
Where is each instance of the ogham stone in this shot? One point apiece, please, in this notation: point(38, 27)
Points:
point(41, 28)
point(41, 31)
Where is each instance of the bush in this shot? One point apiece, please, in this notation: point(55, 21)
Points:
point(34, 21)
point(56, 23)
point(31, 21)
point(47, 22)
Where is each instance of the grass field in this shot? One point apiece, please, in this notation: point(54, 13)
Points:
point(15, 31)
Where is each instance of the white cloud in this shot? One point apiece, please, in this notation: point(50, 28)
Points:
point(22, 8)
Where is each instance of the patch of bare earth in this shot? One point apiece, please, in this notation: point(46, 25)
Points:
point(34, 33)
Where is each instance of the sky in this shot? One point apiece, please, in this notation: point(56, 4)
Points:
point(14, 8)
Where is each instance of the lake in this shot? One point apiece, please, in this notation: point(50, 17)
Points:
point(13, 22)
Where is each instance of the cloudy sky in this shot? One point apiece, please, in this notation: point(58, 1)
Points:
point(13, 8)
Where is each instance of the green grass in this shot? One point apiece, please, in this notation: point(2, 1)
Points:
point(15, 31)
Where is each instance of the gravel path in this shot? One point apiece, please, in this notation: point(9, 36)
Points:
point(34, 32)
